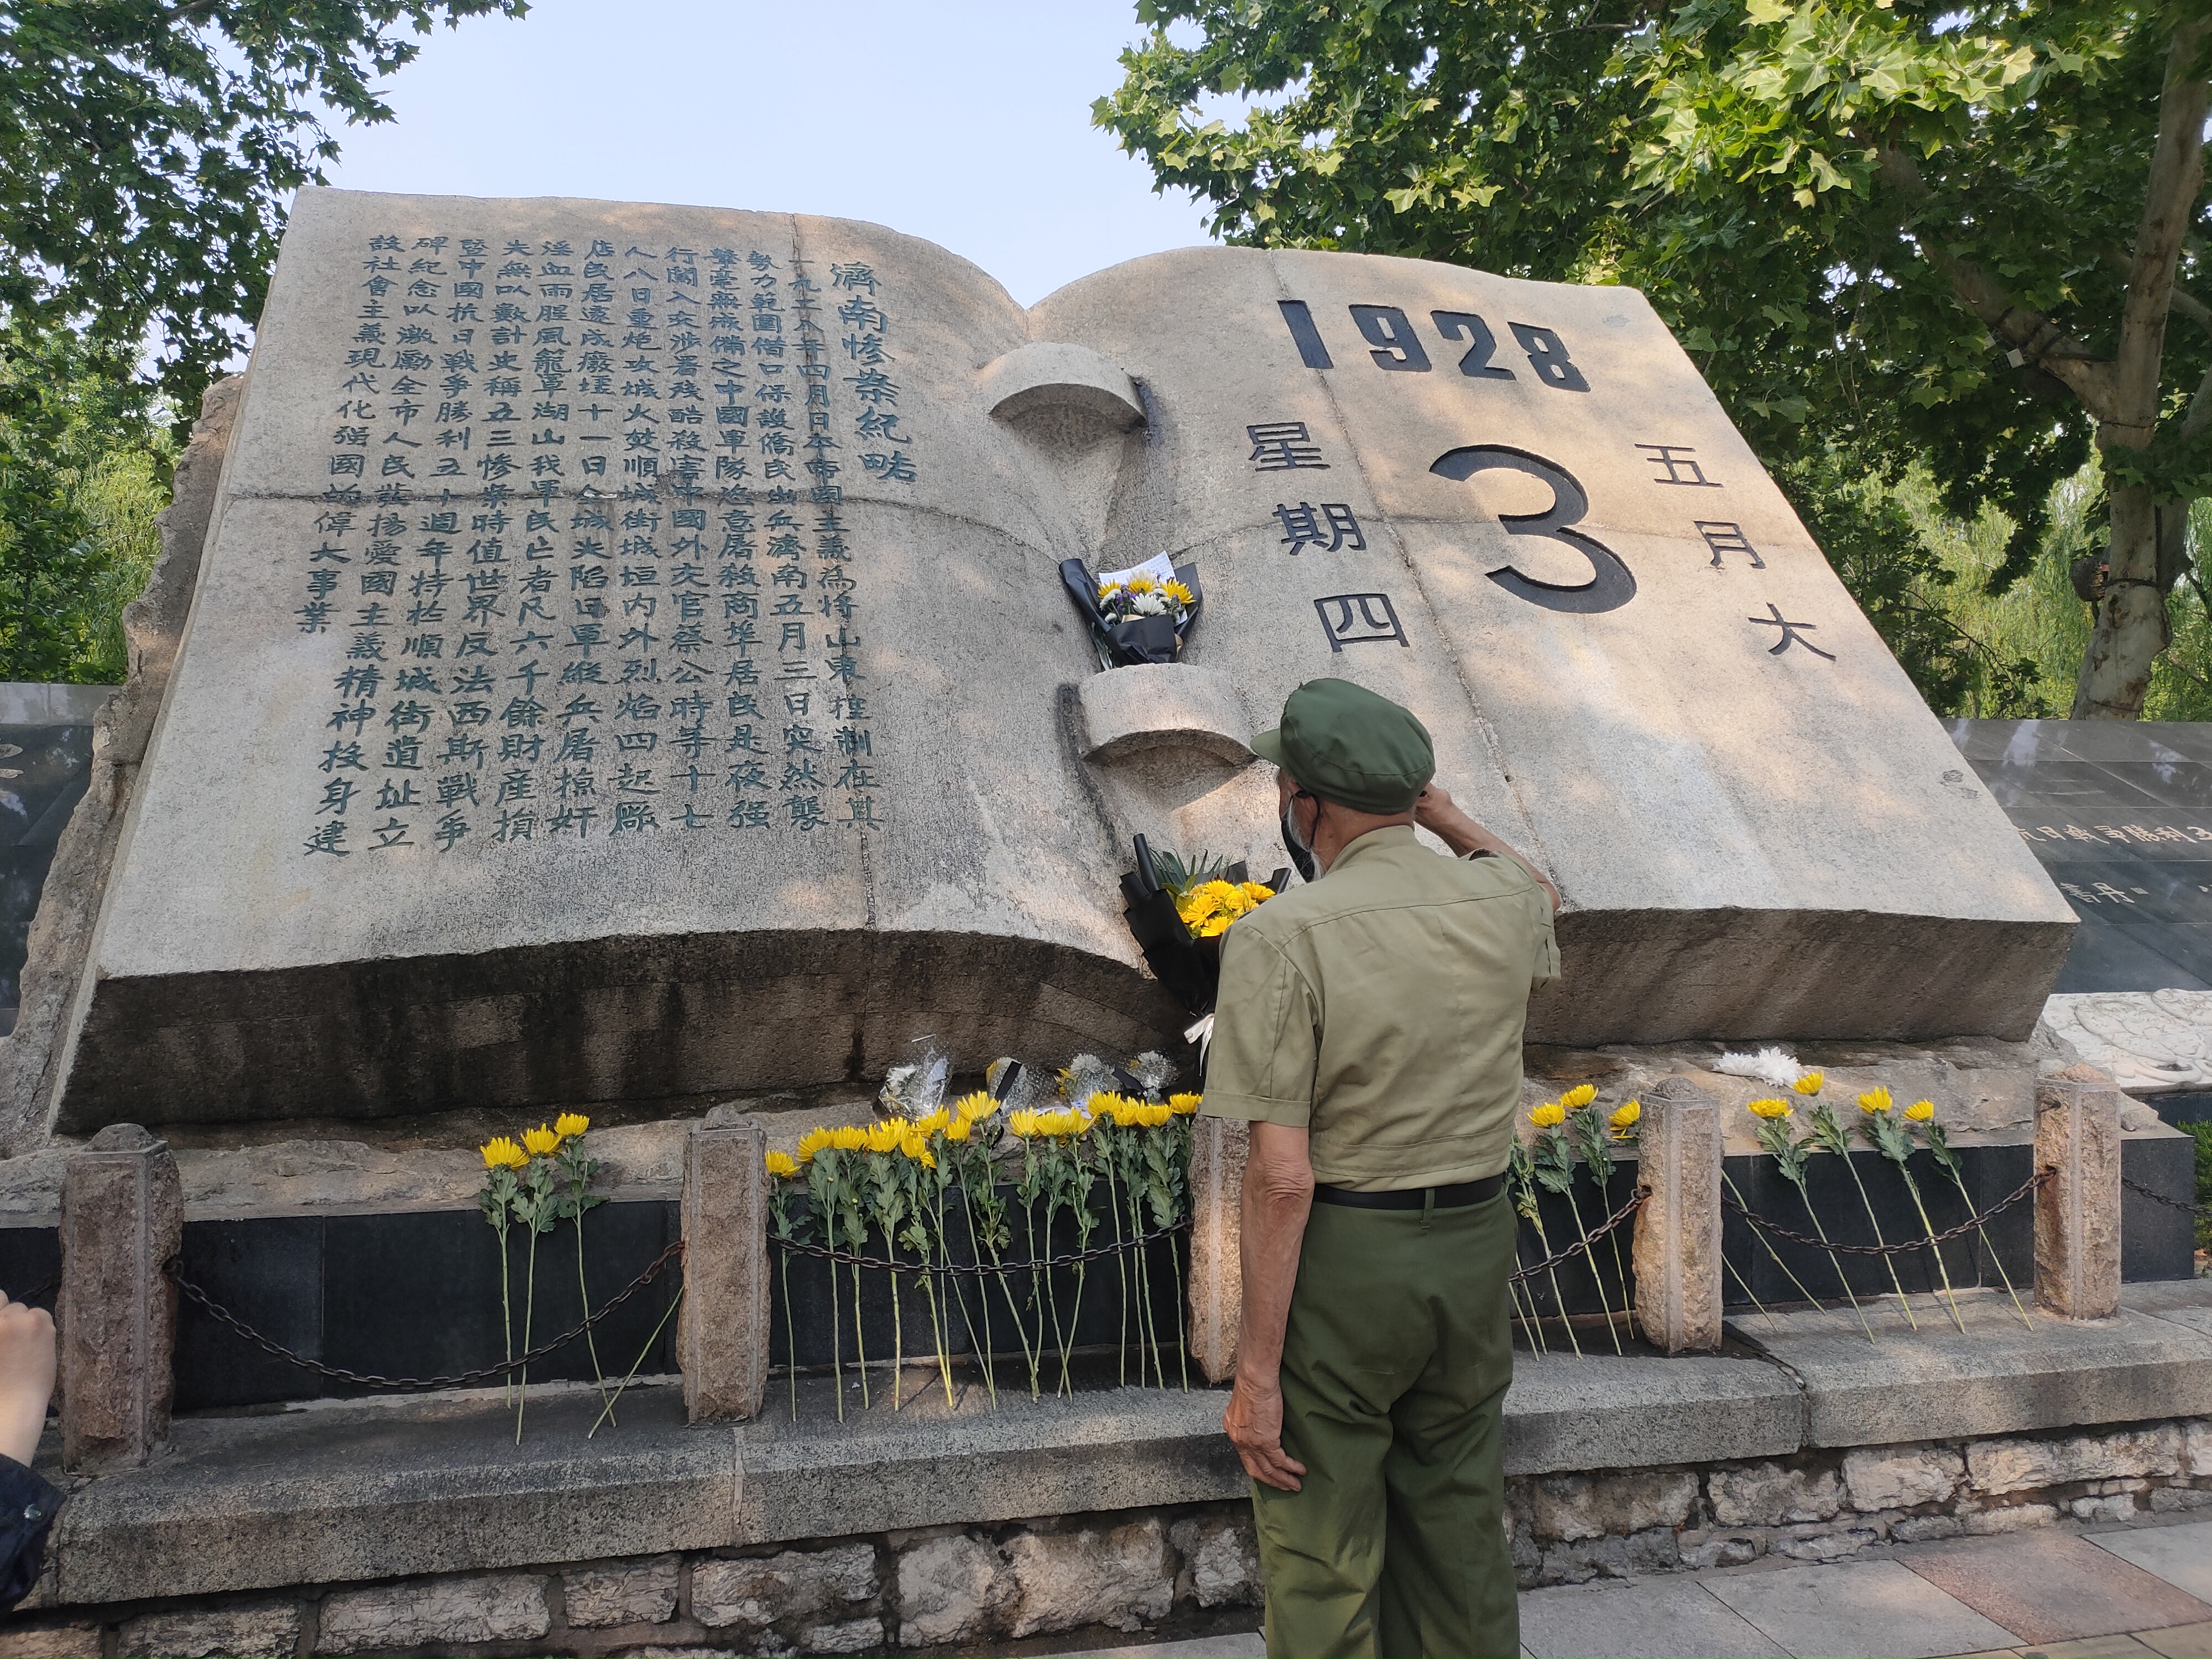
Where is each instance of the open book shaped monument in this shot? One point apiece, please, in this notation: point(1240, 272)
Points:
point(630, 660)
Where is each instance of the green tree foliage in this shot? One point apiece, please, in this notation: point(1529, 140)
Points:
point(84, 466)
point(147, 150)
point(1888, 231)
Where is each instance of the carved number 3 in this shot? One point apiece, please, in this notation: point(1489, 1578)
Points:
point(1611, 586)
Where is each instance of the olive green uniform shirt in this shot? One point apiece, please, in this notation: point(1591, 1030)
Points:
point(1381, 1008)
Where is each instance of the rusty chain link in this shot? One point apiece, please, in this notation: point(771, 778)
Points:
point(1580, 1247)
point(1776, 1230)
point(231, 1322)
point(2200, 1211)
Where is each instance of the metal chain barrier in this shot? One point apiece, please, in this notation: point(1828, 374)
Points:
point(2202, 1212)
point(1580, 1247)
point(231, 1322)
point(1776, 1230)
point(1073, 1258)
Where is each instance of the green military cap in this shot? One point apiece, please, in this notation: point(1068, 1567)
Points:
point(1346, 743)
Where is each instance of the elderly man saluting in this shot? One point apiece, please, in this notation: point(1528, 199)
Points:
point(1369, 1026)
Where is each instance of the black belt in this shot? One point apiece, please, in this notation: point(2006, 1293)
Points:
point(1457, 1196)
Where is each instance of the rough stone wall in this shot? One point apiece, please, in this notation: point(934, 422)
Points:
point(69, 907)
point(1188, 1570)
point(1155, 1573)
point(1827, 1506)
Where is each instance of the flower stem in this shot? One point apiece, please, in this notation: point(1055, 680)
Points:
point(608, 1410)
point(1735, 1193)
point(1995, 1259)
point(836, 1333)
point(1896, 1284)
point(1834, 1261)
point(1597, 1276)
point(1558, 1301)
point(1950, 1296)
point(529, 1307)
point(584, 1296)
point(790, 1335)
point(506, 1312)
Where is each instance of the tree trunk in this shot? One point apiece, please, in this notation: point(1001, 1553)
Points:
point(2130, 628)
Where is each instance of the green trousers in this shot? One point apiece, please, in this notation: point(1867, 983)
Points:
point(1395, 1364)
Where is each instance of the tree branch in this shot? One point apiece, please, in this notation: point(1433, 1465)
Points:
point(2039, 339)
point(2176, 175)
point(2183, 300)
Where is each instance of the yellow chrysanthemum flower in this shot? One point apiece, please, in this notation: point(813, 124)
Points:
point(1023, 1124)
point(1177, 592)
point(851, 1138)
point(1810, 1083)
point(1624, 1117)
point(500, 1153)
point(1770, 1109)
point(885, 1137)
point(570, 1126)
point(978, 1105)
point(813, 1141)
point(1921, 1110)
point(1875, 1101)
point(960, 1128)
point(1184, 1105)
point(1548, 1116)
point(1578, 1097)
point(540, 1140)
point(782, 1164)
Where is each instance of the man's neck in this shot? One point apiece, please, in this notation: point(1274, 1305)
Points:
point(1340, 826)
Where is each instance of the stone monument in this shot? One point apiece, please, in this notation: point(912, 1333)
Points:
point(628, 660)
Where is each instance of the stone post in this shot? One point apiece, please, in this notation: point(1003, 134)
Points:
point(2077, 1210)
point(1217, 1274)
point(1678, 1230)
point(123, 1218)
point(722, 1333)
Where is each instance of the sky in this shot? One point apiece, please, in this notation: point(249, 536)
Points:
point(967, 122)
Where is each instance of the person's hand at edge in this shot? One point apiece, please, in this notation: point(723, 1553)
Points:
point(27, 1378)
point(1254, 1424)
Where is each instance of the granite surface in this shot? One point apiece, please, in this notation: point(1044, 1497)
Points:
point(1536, 528)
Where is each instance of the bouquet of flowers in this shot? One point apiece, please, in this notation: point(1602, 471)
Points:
point(1178, 909)
point(1142, 614)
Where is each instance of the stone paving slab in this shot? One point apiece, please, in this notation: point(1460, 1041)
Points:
point(2096, 1647)
point(2053, 1587)
point(1653, 1619)
point(1243, 1645)
point(1868, 1609)
point(2189, 1642)
point(2180, 1555)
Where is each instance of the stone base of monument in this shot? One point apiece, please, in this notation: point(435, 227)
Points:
point(419, 1523)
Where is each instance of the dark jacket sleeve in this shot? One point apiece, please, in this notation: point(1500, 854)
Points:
point(28, 1504)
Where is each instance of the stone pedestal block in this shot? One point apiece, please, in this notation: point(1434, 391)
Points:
point(1216, 1277)
point(2077, 1210)
point(122, 1220)
point(1678, 1230)
point(722, 1335)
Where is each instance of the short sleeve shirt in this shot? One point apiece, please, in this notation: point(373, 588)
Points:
point(1382, 1008)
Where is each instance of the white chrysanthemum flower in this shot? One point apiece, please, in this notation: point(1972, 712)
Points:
point(1773, 1065)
